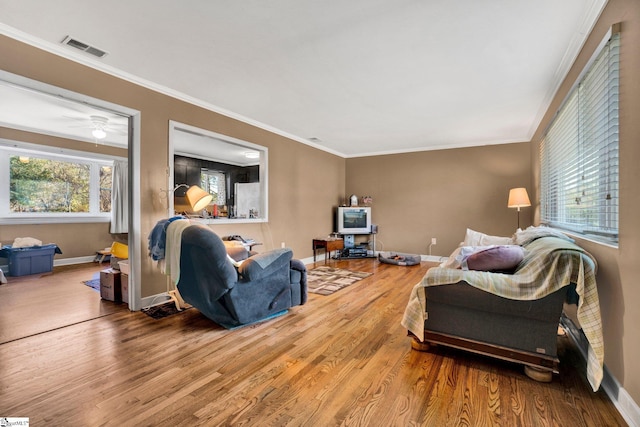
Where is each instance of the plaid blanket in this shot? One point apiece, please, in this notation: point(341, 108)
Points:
point(550, 263)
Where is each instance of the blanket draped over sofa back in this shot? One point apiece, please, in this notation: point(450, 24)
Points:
point(550, 263)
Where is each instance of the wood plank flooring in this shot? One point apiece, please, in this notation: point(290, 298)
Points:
point(342, 359)
point(41, 302)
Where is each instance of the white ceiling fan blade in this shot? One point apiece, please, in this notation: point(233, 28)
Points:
point(80, 126)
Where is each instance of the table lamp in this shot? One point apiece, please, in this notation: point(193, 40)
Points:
point(518, 198)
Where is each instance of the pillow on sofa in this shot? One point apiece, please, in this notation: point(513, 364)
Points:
point(476, 238)
point(458, 256)
point(498, 258)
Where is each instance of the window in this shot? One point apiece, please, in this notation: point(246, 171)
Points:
point(579, 154)
point(105, 188)
point(215, 183)
point(44, 185)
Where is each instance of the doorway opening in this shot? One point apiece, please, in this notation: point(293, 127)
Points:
point(39, 117)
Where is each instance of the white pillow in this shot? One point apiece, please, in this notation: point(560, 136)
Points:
point(476, 238)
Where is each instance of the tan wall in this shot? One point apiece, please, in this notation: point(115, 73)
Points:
point(619, 268)
point(303, 181)
point(417, 196)
point(74, 240)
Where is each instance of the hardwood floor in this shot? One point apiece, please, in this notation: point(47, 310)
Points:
point(342, 359)
point(42, 302)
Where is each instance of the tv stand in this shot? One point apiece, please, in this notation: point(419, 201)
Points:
point(353, 251)
point(359, 251)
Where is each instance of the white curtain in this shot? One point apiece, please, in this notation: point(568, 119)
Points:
point(119, 197)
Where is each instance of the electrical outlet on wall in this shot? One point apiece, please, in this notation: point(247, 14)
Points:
point(282, 245)
point(434, 241)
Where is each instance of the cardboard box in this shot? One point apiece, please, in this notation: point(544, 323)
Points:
point(29, 260)
point(110, 288)
point(124, 287)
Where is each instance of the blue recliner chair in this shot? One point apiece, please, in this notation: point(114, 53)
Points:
point(263, 285)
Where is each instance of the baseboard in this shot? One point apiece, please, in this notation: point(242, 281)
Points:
point(626, 406)
point(307, 261)
point(71, 261)
point(433, 258)
point(156, 299)
point(58, 262)
point(428, 258)
point(623, 402)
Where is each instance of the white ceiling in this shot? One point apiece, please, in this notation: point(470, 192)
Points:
point(32, 110)
point(362, 76)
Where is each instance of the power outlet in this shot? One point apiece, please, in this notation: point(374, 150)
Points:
point(282, 245)
point(434, 241)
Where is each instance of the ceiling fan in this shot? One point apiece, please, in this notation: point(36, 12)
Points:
point(100, 126)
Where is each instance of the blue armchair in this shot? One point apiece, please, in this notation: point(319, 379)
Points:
point(262, 285)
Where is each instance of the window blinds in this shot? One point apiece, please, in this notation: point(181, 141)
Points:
point(579, 153)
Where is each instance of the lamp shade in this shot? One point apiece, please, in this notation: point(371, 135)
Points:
point(198, 198)
point(518, 198)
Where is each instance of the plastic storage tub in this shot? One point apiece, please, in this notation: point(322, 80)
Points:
point(124, 266)
point(30, 260)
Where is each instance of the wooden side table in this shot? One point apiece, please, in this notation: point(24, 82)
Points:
point(329, 244)
point(102, 255)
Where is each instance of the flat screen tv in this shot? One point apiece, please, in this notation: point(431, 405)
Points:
point(353, 220)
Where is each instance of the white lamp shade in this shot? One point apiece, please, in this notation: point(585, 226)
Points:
point(518, 198)
point(198, 198)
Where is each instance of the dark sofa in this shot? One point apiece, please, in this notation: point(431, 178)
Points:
point(513, 316)
point(469, 318)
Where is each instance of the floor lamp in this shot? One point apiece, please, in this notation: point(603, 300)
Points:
point(518, 198)
point(198, 199)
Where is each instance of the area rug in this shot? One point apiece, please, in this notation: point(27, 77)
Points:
point(163, 310)
point(327, 280)
point(93, 284)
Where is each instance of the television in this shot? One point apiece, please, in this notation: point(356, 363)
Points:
point(353, 220)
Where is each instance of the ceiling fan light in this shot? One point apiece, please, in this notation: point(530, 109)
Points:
point(99, 134)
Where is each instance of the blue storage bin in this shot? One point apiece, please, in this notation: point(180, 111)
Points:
point(30, 260)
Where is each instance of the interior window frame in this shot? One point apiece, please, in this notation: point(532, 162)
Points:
point(263, 162)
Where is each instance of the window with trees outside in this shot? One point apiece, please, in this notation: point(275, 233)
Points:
point(215, 183)
point(579, 154)
point(48, 185)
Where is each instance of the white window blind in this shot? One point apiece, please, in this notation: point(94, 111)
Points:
point(579, 154)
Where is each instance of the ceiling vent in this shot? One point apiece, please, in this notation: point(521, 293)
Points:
point(84, 47)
